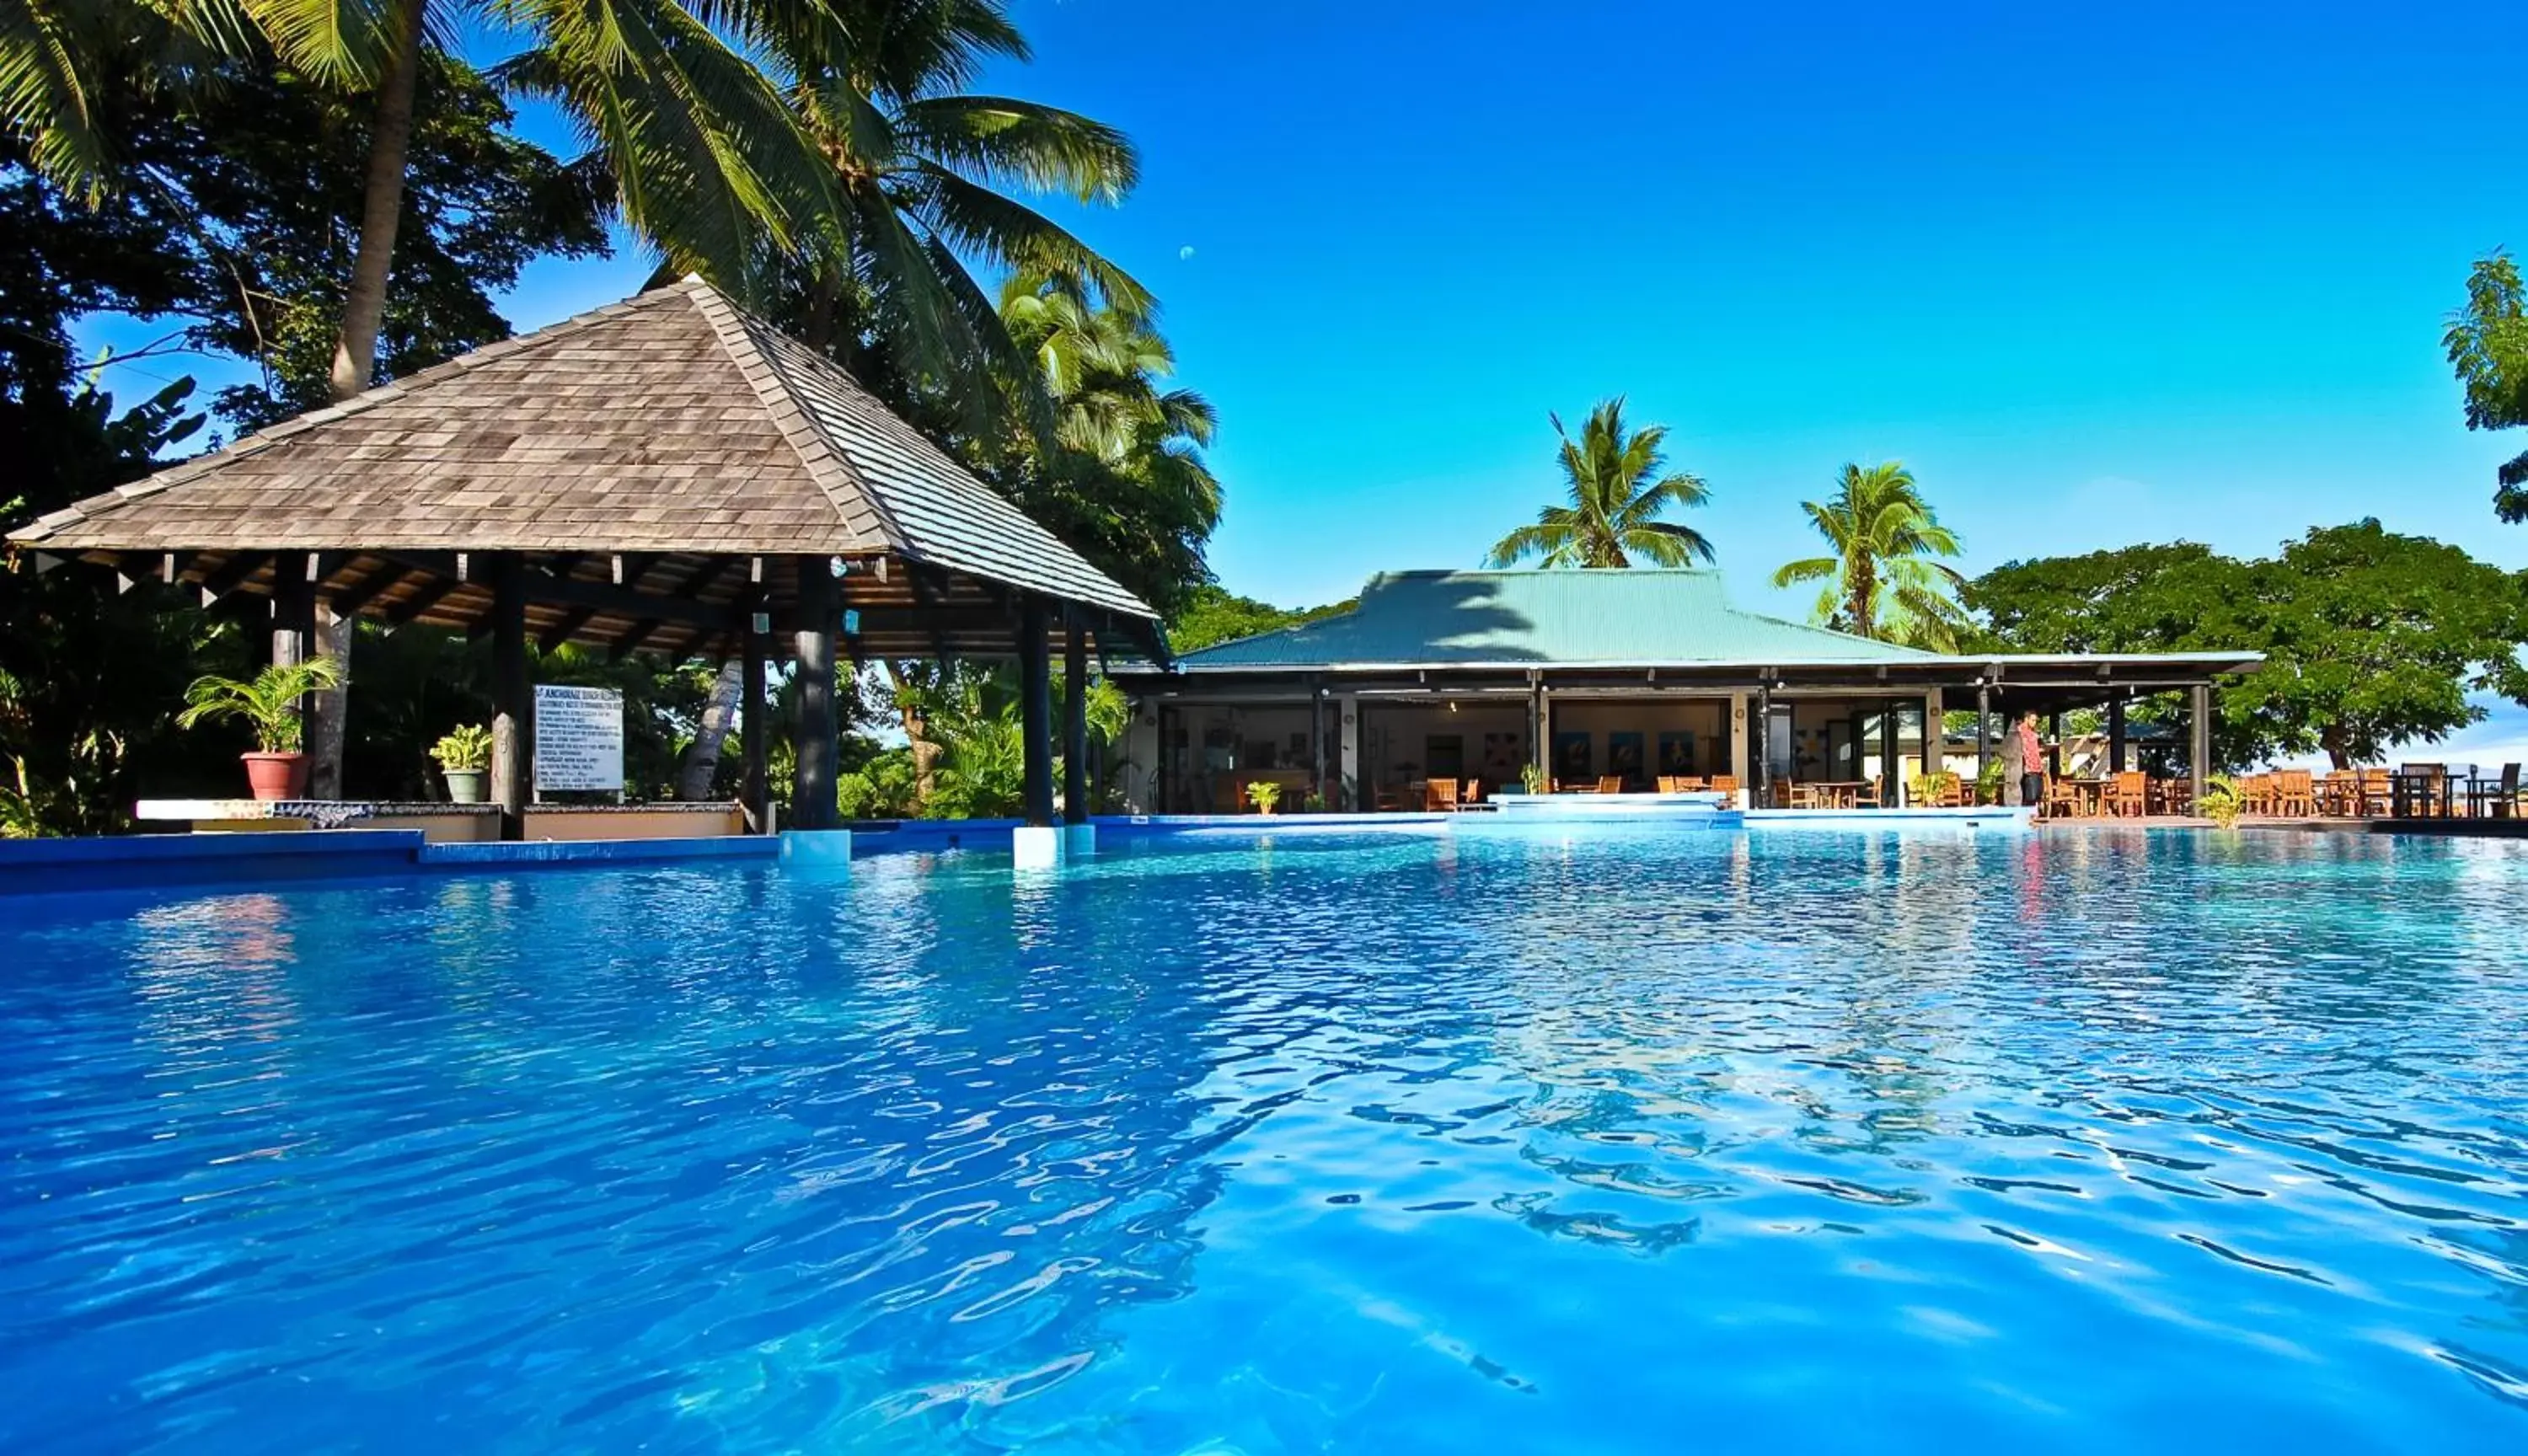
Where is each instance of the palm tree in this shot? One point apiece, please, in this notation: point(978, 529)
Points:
point(706, 156)
point(1880, 580)
point(1118, 471)
point(921, 174)
point(1615, 502)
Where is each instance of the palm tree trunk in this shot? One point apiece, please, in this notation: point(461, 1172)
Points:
point(355, 356)
point(1862, 579)
point(364, 305)
point(702, 756)
point(820, 308)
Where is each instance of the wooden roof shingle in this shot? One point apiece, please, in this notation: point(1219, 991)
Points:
point(671, 422)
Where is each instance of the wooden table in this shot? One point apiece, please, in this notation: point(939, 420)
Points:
point(1835, 793)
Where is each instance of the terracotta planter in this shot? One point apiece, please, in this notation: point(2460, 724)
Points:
point(274, 776)
point(466, 785)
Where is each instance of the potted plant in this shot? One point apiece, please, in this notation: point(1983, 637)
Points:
point(269, 702)
point(1988, 781)
point(465, 759)
point(1531, 777)
point(2222, 801)
point(1264, 794)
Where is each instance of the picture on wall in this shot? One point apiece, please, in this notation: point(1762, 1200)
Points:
point(1504, 755)
point(1624, 756)
point(1677, 755)
point(1571, 756)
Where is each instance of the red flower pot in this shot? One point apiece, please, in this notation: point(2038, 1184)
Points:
point(277, 776)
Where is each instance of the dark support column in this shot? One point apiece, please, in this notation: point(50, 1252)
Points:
point(513, 697)
point(755, 784)
point(2116, 737)
point(1317, 745)
point(1544, 735)
point(1536, 727)
point(1984, 734)
point(1035, 712)
point(1891, 773)
point(2199, 727)
point(1759, 758)
point(1075, 726)
point(2054, 754)
point(811, 785)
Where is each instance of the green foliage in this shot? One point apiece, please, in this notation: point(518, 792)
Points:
point(1533, 778)
point(2222, 802)
point(1212, 614)
point(2371, 638)
point(1880, 580)
point(465, 748)
point(1929, 788)
point(1617, 495)
point(2487, 346)
point(267, 702)
point(1264, 794)
point(880, 789)
point(1988, 780)
point(1121, 478)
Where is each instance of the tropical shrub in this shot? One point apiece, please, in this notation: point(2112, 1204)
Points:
point(1264, 794)
point(2221, 801)
point(268, 702)
point(880, 789)
point(466, 748)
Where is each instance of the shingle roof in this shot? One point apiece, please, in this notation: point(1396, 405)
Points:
point(1610, 618)
point(670, 422)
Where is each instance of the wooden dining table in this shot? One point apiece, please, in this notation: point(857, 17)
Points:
point(1835, 793)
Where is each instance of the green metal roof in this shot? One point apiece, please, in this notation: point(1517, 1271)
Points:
point(1606, 618)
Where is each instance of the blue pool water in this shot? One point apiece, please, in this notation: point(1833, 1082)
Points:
point(1642, 1140)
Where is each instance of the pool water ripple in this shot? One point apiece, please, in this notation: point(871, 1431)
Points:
point(1503, 1140)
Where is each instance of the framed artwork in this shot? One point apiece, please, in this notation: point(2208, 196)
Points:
point(1677, 755)
point(1624, 755)
point(1504, 755)
point(1571, 756)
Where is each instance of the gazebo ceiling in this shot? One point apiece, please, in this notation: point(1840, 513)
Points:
point(665, 467)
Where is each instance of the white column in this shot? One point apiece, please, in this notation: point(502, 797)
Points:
point(1739, 730)
point(1932, 712)
point(1347, 709)
point(1141, 750)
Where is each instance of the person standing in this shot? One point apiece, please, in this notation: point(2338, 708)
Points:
point(2032, 762)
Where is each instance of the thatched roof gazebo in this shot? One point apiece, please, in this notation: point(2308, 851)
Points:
point(666, 473)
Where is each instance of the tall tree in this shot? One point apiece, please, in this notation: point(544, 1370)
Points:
point(1617, 495)
point(923, 176)
point(2487, 344)
point(1121, 474)
point(1881, 579)
point(2371, 639)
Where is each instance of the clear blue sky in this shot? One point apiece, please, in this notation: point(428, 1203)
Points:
point(2122, 274)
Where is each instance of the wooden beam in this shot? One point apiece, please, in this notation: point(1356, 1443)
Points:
point(639, 631)
point(432, 593)
point(565, 630)
point(368, 589)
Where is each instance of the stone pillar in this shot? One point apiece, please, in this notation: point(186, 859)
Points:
point(1075, 726)
point(1933, 710)
point(756, 787)
point(2200, 725)
point(513, 697)
point(812, 782)
point(1035, 713)
point(1347, 709)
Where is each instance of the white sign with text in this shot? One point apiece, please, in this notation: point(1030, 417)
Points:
point(579, 738)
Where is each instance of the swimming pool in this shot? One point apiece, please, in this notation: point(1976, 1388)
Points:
point(1626, 1139)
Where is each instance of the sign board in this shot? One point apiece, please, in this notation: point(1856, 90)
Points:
point(579, 738)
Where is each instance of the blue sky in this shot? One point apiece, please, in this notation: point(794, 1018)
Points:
point(2099, 276)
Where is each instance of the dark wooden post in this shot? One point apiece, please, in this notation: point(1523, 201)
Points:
point(2116, 737)
point(1317, 743)
point(1035, 712)
point(2054, 754)
point(1891, 774)
point(2199, 760)
point(513, 697)
point(811, 784)
point(754, 786)
point(1983, 731)
point(1074, 725)
point(1759, 758)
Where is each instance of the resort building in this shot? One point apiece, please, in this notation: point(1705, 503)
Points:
point(1595, 679)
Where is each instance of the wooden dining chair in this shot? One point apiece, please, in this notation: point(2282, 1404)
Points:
point(2377, 794)
point(2295, 797)
point(1440, 796)
point(1470, 794)
point(1610, 783)
point(1689, 784)
point(1871, 795)
point(1726, 785)
point(2128, 795)
point(2067, 795)
point(1668, 784)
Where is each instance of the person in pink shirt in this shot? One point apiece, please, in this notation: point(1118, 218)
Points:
point(2031, 761)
